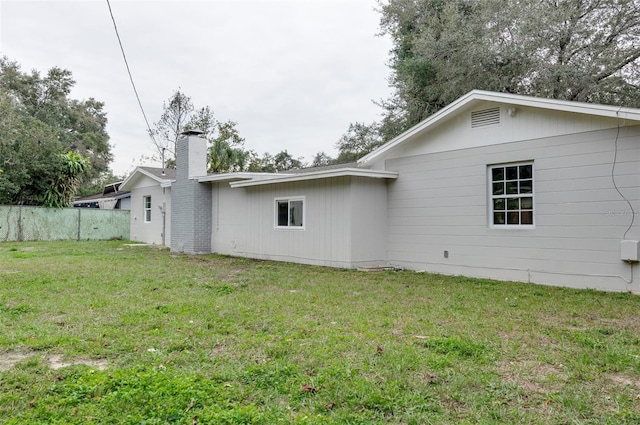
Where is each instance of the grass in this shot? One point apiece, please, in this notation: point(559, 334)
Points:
point(103, 333)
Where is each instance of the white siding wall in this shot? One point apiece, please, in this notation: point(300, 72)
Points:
point(527, 124)
point(150, 232)
point(440, 202)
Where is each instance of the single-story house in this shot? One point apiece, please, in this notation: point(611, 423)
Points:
point(494, 185)
point(150, 204)
point(111, 198)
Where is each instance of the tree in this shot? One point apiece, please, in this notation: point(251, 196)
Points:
point(66, 181)
point(39, 126)
point(563, 49)
point(226, 151)
point(282, 161)
point(321, 159)
point(173, 121)
point(359, 140)
point(579, 50)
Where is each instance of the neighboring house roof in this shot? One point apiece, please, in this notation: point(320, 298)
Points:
point(100, 196)
point(476, 97)
point(163, 176)
point(108, 198)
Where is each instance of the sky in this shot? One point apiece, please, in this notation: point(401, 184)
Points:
point(293, 73)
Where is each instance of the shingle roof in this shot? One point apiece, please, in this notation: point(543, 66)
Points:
point(322, 168)
point(169, 173)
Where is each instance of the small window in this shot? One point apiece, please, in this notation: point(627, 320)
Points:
point(290, 213)
point(147, 209)
point(511, 195)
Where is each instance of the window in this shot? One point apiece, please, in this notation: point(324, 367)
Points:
point(290, 213)
point(511, 194)
point(147, 208)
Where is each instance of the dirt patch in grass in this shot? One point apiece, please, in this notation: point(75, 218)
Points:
point(625, 381)
point(533, 376)
point(55, 361)
point(622, 324)
point(9, 360)
point(589, 322)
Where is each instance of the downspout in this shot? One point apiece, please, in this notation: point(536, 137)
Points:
point(164, 221)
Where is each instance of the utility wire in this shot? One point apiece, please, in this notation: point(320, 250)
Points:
point(613, 176)
point(129, 71)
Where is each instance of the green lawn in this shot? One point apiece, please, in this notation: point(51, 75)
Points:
point(99, 332)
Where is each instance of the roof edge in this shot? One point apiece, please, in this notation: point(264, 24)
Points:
point(340, 172)
point(607, 111)
point(144, 172)
point(242, 175)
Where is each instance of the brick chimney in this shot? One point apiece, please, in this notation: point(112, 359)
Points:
point(190, 200)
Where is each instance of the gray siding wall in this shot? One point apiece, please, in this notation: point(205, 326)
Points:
point(229, 219)
point(326, 237)
point(369, 221)
point(440, 202)
point(344, 224)
point(150, 232)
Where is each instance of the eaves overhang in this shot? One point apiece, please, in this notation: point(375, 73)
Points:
point(133, 177)
point(341, 172)
point(232, 177)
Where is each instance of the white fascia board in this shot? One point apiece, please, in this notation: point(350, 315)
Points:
point(439, 116)
point(131, 178)
point(340, 172)
point(228, 177)
point(166, 183)
point(607, 111)
point(151, 175)
point(513, 99)
point(126, 181)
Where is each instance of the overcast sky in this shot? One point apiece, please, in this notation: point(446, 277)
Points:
point(292, 73)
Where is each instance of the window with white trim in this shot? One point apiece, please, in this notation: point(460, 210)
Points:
point(511, 195)
point(289, 213)
point(146, 201)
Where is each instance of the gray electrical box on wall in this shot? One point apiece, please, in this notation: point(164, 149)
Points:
point(629, 250)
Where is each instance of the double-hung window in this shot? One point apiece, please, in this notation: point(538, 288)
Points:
point(289, 213)
point(511, 195)
point(146, 201)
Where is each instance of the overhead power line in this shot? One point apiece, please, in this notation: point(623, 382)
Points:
point(124, 56)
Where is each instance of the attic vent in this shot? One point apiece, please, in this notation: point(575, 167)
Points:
point(485, 117)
